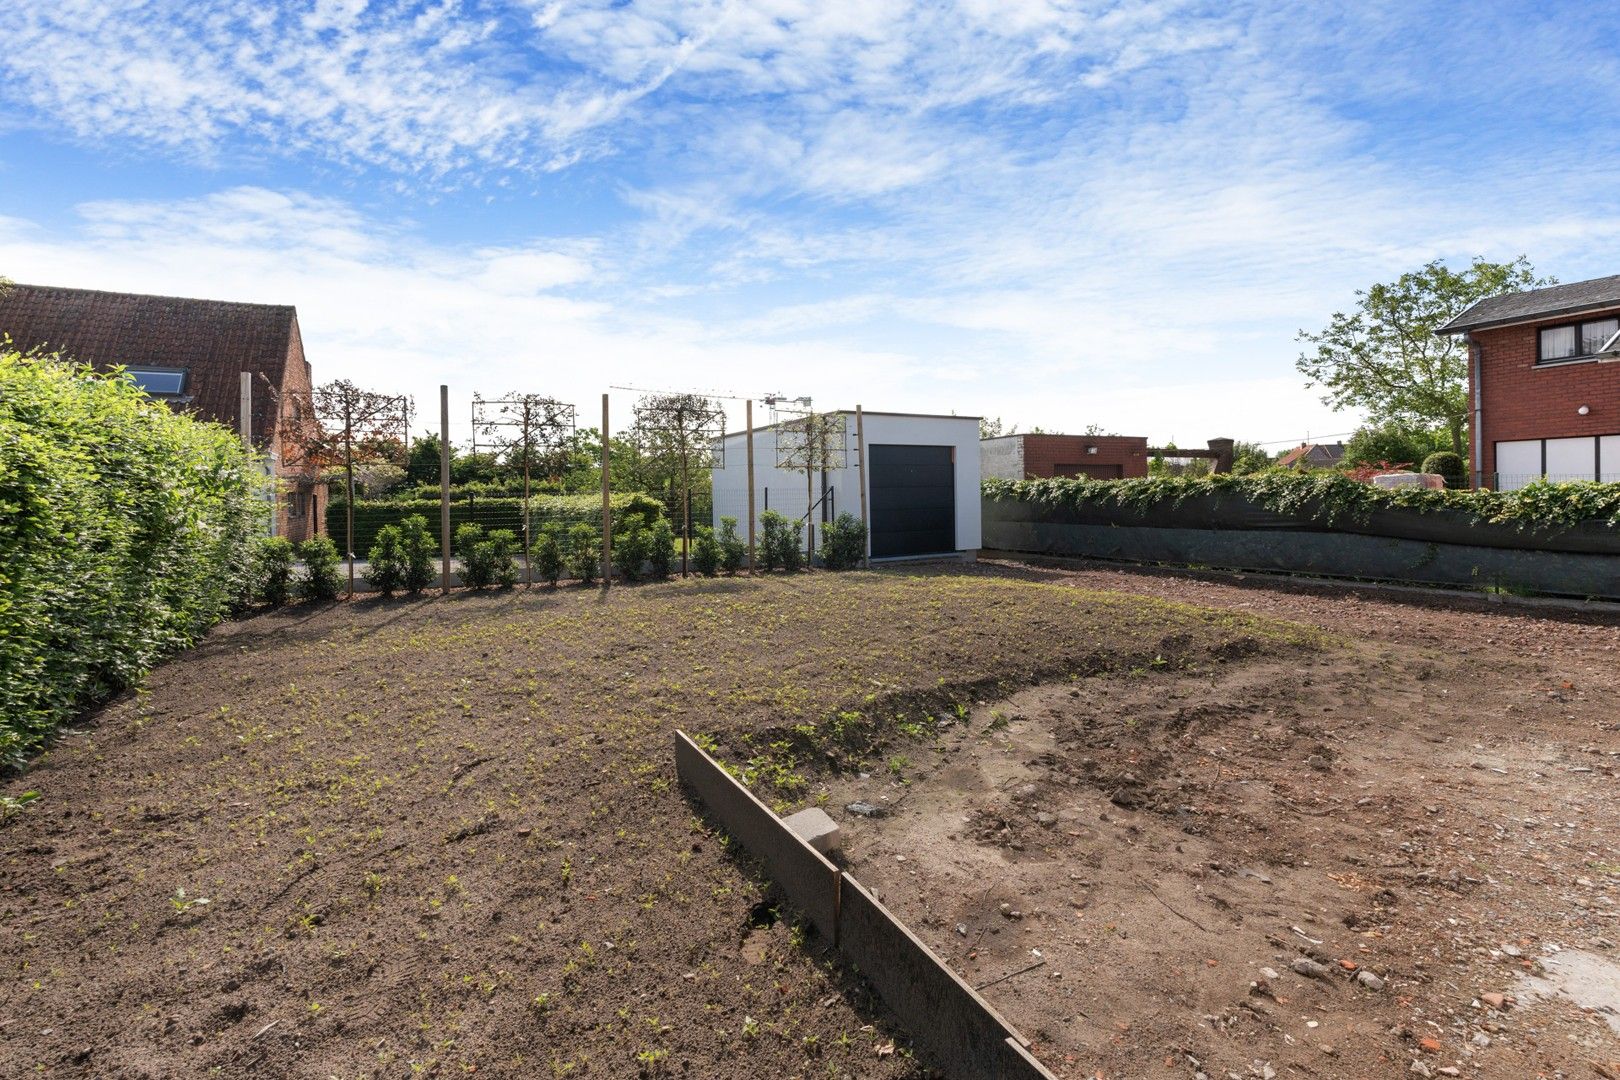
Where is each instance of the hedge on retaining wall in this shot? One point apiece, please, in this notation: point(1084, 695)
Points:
point(370, 515)
point(1329, 497)
point(126, 530)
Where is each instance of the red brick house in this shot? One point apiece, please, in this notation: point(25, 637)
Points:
point(191, 354)
point(1543, 386)
point(1041, 456)
point(1313, 456)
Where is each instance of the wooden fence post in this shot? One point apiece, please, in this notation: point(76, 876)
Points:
point(607, 502)
point(860, 459)
point(444, 487)
point(749, 409)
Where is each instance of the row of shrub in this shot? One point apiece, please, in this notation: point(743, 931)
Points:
point(404, 557)
point(1331, 496)
point(126, 530)
point(371, 516)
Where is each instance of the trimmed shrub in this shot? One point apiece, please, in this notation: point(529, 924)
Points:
point(733, 551)
point(584, 552)
point(126, 530)
point(420, 551)
point(661, 548)
point(477, 556)
point(1448, 465)
point(503, 556)
point(273, 570)
point(779, 547)
point(370, 515)
point(705, 551)
point(387, 559)
point(321, 578)
point(547, 553)
point(1330, 497)
point(843, 542)
point(630, 550)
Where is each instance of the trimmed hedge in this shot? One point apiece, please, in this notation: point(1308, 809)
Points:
point(126, 530)
point(370, 515)
point(1330, 496)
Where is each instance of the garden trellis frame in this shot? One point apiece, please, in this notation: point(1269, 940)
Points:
point(347, 425)
point(808, 442)
point(537, 427)
point(682, 430)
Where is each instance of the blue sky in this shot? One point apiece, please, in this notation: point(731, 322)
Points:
point(1059, 213)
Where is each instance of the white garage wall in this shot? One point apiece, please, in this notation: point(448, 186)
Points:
point(787, 490)
point(1572, 459)
point(1517, 463)
point(1609, 458)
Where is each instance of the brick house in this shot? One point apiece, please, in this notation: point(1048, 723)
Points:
point(1313, 456)
point(1543, 391)
point(191, 354)
point(1040, 456)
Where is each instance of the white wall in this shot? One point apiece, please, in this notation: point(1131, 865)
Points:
point(787, 490)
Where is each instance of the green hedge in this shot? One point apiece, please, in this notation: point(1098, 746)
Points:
point(1331, 496)
point(370, 515)
point(126, 530)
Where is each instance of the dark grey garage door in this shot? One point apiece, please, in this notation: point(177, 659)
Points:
point(913, 492)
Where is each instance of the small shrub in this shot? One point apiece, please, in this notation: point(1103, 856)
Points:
point(705, 551)
point(387, 560)
point(272, 570)
point(420, 550)
point(584, 552)
point(780, 547)
point(733, 551)
point(661, 547)
point(321, 578)
point(503, 556)
point(1448, 465)
point(477, 556)
point(631, 547)
point(843, 543)
point(547, 553)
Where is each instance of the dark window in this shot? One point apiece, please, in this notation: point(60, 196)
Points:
point(160, 382)
point(1576, 340)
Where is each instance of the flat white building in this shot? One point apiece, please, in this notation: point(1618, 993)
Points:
point(921, 478)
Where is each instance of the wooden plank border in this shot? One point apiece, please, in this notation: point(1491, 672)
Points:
point(947, 1019)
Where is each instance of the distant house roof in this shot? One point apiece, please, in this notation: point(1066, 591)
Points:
point(1318, 455)
point(1535, 304)
point(211, 341)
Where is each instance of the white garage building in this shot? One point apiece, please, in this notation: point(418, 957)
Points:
point(921, 477)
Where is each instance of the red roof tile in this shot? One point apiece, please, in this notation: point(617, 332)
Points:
point(212, 340)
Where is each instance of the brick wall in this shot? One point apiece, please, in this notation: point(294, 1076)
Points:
point(1525, 401)
point(301, 505)
point(1065, 455)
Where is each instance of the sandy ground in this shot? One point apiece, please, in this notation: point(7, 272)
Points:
point(1396, 857)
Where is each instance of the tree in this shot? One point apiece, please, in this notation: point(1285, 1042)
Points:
point(1248, 457)
point(1396, 441)
point(1385, 357)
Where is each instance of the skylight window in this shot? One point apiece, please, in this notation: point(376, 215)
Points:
point(160, 382)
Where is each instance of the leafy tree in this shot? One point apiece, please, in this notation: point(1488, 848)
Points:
point(422, 464)
point(1248, 457)
point(1448, 465)
point(1385, 357)
point(1394, 440)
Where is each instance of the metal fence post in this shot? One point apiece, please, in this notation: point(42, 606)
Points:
point(749, 409)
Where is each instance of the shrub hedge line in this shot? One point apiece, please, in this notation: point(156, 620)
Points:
point(371, 515)
point(126, 530)
point(1331, 496)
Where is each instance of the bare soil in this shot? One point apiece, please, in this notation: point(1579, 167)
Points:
point(1133, 864)
point(443, 836)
